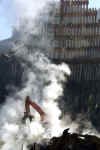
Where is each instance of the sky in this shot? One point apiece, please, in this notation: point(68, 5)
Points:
point(6, 21)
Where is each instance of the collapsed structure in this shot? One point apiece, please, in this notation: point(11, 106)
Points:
point(68, 141)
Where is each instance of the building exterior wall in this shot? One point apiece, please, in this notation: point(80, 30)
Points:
point(76, 29)
point(76, 34)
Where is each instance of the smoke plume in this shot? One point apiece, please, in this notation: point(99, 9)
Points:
point(42, 80)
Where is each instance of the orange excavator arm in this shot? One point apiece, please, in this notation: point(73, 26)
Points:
point(29, 103)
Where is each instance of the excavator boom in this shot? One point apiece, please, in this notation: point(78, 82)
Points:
point(29, 103)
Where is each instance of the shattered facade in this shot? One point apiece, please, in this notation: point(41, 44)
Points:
point(77, 35)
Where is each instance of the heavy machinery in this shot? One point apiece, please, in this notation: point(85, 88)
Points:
point(27, 113)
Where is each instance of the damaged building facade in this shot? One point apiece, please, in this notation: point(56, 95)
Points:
point(77, 38)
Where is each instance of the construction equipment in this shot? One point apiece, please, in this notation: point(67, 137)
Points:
point(27, 114)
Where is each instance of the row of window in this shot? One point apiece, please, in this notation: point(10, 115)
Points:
point(76, 53)
point(84, 72)
point(77, 19)
point(77, 8)
point(65, 55)
point(75, 43)
point(78, 32)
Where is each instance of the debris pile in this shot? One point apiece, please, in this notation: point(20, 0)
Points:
point(70, 141)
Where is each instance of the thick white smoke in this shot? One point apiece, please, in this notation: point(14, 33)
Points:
point(42, 81)
point(44, 87)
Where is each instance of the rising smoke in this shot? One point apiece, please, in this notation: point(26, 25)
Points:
point(42, 80)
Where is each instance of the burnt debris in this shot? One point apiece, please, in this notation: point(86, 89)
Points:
point(70, 141)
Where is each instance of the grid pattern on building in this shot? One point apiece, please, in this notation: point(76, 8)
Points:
point(76, 30)
point(77, 34)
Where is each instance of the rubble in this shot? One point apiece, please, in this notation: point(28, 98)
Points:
point(70, 141)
